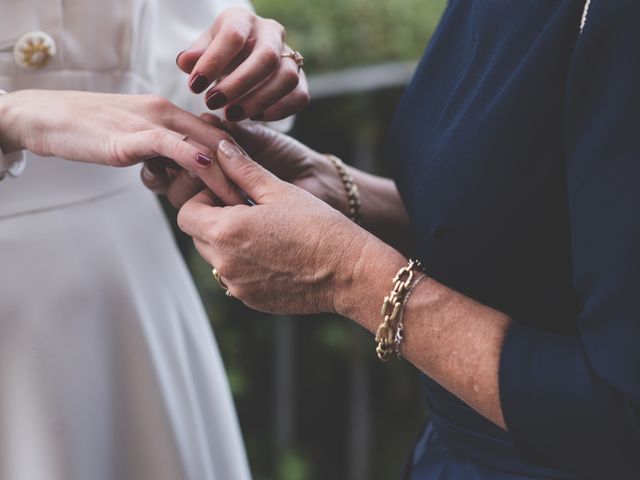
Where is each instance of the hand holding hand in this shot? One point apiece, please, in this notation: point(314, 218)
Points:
point(281, 154)
point(290, 253)
point(241, 55)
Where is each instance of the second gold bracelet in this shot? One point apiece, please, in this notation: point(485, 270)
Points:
point(387, 339)
point(353, 194)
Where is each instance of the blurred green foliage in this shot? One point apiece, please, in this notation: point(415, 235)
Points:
point(329, 352)
point(334, 34)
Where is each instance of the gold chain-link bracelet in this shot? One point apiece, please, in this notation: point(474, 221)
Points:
point(353, 194)
point(388, 338)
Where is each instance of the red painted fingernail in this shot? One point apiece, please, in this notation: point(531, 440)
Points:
point(178, 56)
point(216, 100)
point(258, 117)
point(204, 160)
point(198, 83)
point(235, 113)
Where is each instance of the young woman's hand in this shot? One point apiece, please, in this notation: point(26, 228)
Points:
point(290, 253)
point(115, 130)
point(240, 58)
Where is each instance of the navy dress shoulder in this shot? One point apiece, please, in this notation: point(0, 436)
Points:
point(517, 152)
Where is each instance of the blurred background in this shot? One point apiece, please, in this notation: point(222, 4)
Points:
point(313, 400)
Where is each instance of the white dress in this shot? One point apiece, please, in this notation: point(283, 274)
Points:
point(108, 367)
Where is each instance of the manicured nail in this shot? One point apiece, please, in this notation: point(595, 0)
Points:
point(147, 174)
point(257, 117)
point(203, 159)
point(178, 56)
point(235, 113)
point(229, 149)
point(216, 100)
point(198, 83)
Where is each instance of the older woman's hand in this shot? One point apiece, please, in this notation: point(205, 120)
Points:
point(287, 158)
point(289, 253)
point(241, 55)
point(115, 130)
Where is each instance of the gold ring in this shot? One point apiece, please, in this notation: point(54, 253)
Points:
point(296, 57)
point(216, 275)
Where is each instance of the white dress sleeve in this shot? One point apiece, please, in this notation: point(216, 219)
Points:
point(179, 24)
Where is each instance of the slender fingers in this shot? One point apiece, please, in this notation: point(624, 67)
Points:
point(178, 185)
point(270, 92)
point(227, 42)
point(187, 59)
point(186, 152)
point(289, 105)
point(214, 177)
point(261, 64)
point(163, 142)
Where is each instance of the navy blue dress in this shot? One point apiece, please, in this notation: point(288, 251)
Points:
point(517, 152)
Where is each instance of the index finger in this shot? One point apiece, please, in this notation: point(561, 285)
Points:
point(227, 43)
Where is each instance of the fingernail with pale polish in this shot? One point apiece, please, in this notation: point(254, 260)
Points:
point(198, 83)
point(216, 100)
point(229, 149)
point(203, 160)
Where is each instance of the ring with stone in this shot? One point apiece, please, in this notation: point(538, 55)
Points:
point(296, 57)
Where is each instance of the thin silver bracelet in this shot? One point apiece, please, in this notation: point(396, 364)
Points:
point(353, 194)
point(398, 336)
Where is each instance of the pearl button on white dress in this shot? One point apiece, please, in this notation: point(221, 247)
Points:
point(34, 50)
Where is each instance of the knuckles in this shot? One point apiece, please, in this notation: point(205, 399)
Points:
point(269, 57)
point(219, 238)
point(157, 104)
point(276, 26)
point(290, 79)
point(234, 36)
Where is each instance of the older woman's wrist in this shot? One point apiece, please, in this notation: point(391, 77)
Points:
point(331, 187)
point(364, 278)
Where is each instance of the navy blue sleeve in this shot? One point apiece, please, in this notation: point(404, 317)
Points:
point(573, 402)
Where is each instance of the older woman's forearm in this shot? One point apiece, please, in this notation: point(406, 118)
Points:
point(450, 337)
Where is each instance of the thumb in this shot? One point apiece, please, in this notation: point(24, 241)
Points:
point(254, 138)
point(254, 180)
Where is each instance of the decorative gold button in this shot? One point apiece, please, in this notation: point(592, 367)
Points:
point(34, 50)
